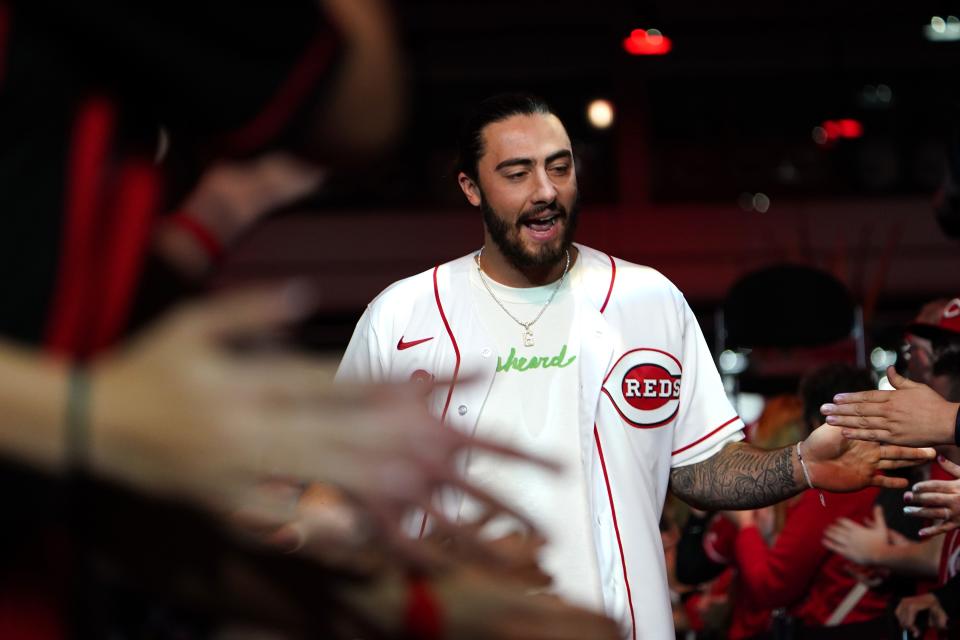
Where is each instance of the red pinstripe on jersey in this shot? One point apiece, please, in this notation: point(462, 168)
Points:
point(696, 442)
point(456, 366)
point(616, 528)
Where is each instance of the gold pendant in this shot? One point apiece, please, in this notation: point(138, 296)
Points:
point(527, 338)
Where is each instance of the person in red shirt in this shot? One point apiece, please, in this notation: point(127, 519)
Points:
point(796, 571)
point(939, 556)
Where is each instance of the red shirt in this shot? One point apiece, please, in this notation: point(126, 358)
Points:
point(798, 572)
point(747, 618)
point(949, 556)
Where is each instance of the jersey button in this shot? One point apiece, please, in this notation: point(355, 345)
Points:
point(487, 351)
point(462, 409)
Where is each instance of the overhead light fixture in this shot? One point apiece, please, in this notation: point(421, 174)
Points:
point(600, 113)
point(942, 30)
point(647, 42)
point(832, 130)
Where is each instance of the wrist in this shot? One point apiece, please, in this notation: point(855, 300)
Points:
point(33, 396)
point(807, 473)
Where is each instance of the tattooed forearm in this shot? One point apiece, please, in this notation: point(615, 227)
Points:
point(738, 477)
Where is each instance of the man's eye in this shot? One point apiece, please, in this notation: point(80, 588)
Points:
point(516, 176)
point(560, 169)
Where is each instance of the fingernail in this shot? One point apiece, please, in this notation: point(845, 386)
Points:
point(923, 533)
point(908, 496)
point(840, 397)
point(846, 433)
point(911, 510)
point(940, 459)
point(827, 408)
point(832, 419)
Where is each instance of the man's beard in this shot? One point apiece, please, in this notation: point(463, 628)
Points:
point(507, 236)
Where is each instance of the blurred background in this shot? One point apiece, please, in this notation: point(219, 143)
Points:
point(712, 140)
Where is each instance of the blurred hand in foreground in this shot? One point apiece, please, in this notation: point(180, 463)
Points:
point(179, 413)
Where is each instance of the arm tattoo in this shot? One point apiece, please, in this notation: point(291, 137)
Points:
point(739, 476)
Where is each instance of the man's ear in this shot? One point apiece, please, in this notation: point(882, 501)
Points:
point(470, 189)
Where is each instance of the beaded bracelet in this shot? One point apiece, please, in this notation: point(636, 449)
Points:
point(77, 418)
point(806, 475)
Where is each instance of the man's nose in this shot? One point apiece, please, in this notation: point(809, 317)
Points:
point(545, 191)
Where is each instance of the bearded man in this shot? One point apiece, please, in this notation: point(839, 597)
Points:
point(560, 349)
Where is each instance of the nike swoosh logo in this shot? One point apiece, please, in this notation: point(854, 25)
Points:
point(406, 345)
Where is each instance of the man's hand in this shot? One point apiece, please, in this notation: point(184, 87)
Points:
point(913, 414)
point(480, 606)
point(865, 544)
point(838, 464)
point(936, 500)
point(909, 608)
point(178, 413)
point(232, 197)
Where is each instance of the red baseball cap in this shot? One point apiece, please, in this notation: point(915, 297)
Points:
point(948, 325)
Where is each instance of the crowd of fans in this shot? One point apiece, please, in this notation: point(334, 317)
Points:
point(860, 565)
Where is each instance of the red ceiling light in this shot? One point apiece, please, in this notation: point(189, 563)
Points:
point(643, 42)
point(832, 130)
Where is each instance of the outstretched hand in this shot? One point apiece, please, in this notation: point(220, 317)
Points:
point(913, 414)
point(865, 544)
point(910, 608)
point(937, 500)
point(179, 413)
point(838, 464)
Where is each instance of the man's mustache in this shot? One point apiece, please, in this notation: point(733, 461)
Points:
point(554, 206)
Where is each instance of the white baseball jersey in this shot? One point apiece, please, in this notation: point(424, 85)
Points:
point(650, 399)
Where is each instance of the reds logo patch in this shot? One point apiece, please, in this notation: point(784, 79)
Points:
point(644, 386)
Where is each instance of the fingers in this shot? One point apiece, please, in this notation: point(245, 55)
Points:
point(932, 513)
point(860, 409)
point(898, 381)
point(938, 528)
point(251, 310)
point(286, 377)
point(936, 486)
point(934, 500)
point(508, 452)
point(938, 618)
point(950, 467)
point(857, 398)
point(858, 421)
point(898, 464)
point(919, 455)
point(888, 482)
point(832, 545)
point(906, 615)
point(851, 432)
point(492, 503)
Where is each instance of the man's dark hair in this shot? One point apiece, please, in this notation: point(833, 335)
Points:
point(820, 385)
point(946, 362)
point(494, 109)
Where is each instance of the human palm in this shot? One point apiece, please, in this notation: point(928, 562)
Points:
point(838, 464)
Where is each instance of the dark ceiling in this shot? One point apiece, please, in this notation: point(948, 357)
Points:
point(730, 109)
